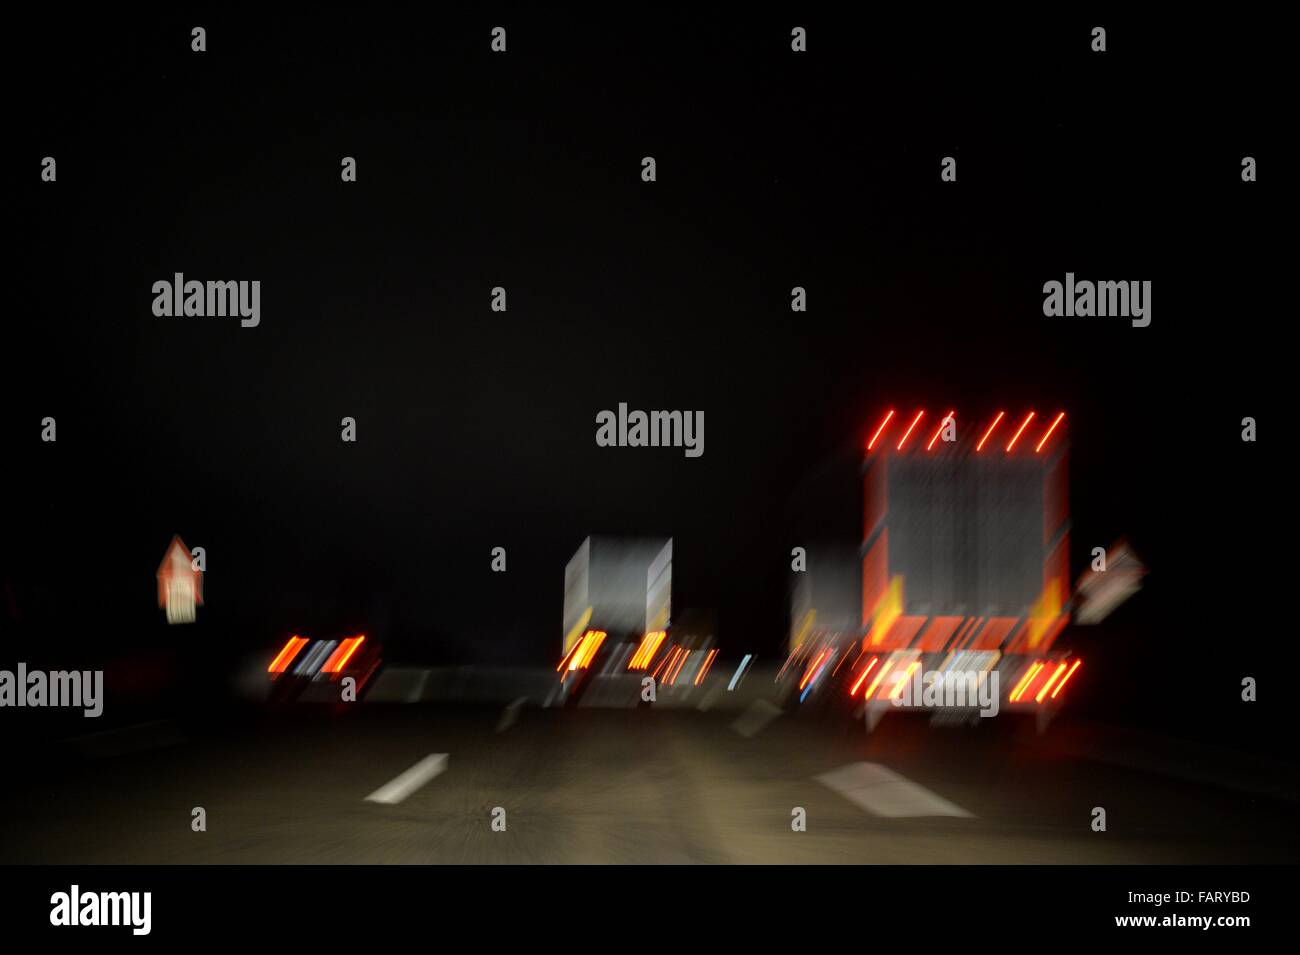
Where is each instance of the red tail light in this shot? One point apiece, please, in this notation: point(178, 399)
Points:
point(341, 655)
point(870, 666)
point(286, 656)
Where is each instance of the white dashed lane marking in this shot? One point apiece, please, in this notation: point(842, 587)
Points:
point(882, 792)
point(510, 714)
point(408, 782)
point(757, 716)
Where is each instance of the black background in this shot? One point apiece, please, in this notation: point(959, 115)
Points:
point(476, 429)
point(386, 902)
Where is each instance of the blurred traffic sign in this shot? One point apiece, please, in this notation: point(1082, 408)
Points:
point(180, 583)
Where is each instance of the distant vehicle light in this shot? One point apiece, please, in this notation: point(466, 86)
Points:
point(901, 682)
point(647, 649)
point(939, 430)
point(287, 654)
point(987, 434)
point(672, 680)
point(1025, 681)
point(1048, 685)
point(812, 669)
point(1020, 430)
point(669, 658)
point(876, 682)
point(704, 669)
point(906, 434)
point(870, 666)
point(1049, 432)
point(872, 443)
point(740, 670)
point(339, 658)
point(1060, 686)
point(317, 655)
point(580, 656)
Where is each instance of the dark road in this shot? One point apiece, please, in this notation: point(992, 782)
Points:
point(626, 786)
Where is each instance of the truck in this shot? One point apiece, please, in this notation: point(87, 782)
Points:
point(962, 573)
point(617, 608)
point(825, 610)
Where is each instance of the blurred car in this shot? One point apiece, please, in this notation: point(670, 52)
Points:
point(310, 666)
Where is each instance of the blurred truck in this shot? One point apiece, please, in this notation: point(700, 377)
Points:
point(961, 581)
point(617, 609)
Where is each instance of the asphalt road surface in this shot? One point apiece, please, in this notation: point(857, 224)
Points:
point(627, 786)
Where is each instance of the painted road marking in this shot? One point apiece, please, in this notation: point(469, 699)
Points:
point(510, 714)
point(408, 782)
point(883, 792)
point(758, 715)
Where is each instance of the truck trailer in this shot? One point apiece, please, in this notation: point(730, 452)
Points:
point(617, 607)
point(963, 573)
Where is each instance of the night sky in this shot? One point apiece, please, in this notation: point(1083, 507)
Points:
point(476, 429)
